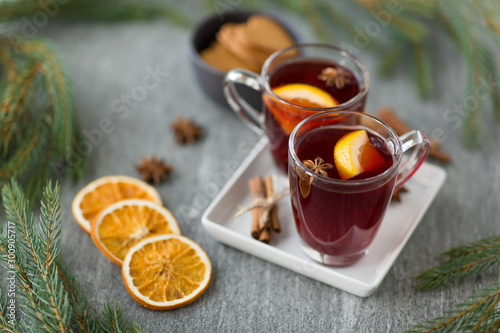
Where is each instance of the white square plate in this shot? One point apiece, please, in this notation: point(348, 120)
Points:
point(362, 278)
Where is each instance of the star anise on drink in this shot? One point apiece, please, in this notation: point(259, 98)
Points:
point(153, 169)
point(318, 166)
point(396, 195)
point(337, 77)
point(186, 130)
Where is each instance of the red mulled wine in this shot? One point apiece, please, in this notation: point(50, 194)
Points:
point(280, 119)
point(330, 219)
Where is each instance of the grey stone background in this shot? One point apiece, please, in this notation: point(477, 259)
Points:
point(248, 294)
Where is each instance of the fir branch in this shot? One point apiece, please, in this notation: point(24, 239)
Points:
point(136, 328)
point(472, 25)
point(470, 40)
point(4, 321)
point(14, 98)
point(478, 314)
point(8, 63)
point(487, 244)
point(16, 208)
point(390, 59)
point(423, 70)
point(334, 14)
point(312, 13)
point(16, 265)
point(408, 28)
point(493, 83)
point(35, 133)
point(95, 10)
point(27, 151)
point(462, 261)
point(52, 299)
point(114, 321)
point(43, 171)
point(52, 311)
point(50, 224)
point(83, 317)
point(58, 93)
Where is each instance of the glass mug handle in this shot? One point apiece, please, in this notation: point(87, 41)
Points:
point(249, 115)
point(421, 144)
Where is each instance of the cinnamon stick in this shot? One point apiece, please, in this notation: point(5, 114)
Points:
point(258, 190)
point(270, 191)
point(388, 116)
point(265, 235)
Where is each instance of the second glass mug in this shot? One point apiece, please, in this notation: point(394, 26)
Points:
point(278, 116)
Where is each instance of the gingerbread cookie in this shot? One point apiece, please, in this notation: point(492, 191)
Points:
point(267, 34)
point(217, 56)
point(227, 38)
point(246, 45)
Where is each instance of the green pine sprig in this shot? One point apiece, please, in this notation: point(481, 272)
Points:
point(114, 320)
point(461, 262)
point(47, 301)
point(408, 27)
point(83, 318)
point(480, 313)
point(38, 134)
point(37, 125)
point(48, 296)
point(473, 27)
point(93, 10)
point(4, 322)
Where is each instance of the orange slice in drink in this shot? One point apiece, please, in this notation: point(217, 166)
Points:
point(102, 192)
point(305, 95)
point(302, 95)
point(166, 272)
point(123, 224)
point(354, 154)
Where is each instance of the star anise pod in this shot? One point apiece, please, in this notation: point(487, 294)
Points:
point(318, 166)
point(186, 130)
point(396, 195)
point(337, 77)
point(153, 169)
point(305, 182)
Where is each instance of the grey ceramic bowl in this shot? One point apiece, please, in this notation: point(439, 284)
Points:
point(210, 78)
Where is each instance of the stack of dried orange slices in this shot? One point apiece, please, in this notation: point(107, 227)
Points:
point(161, 269)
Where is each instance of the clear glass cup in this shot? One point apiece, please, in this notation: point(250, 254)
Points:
point(278, 117)
point(338, 219)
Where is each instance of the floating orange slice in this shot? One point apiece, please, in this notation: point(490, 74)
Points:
point(123, 224)
point(354, 154)
point(302, 95)
point(305, 95)
point(166, 272)
point(101, 193)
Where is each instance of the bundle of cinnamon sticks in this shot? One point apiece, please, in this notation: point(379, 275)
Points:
point(264, 219)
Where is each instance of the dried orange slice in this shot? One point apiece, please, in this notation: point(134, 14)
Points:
point(120, 226)
point(102, 192)
point(354, 154)
point(166, 272)
point(302, 95)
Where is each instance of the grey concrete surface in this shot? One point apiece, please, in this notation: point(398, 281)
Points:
point(248, 294)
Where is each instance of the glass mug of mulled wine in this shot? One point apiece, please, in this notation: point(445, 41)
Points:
point(295, 83)
point(343, 169)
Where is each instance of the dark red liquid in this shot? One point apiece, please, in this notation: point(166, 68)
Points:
point(328, 219)
point(303, 71)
